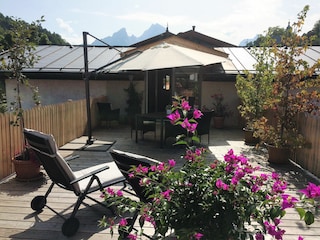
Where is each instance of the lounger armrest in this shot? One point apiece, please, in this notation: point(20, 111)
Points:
point(90, 174)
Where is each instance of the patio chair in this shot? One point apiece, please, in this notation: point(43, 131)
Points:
point(204, 124)
point(125, 161)
point(172, 131)
point(143, 126)
point(106, 113)
point(81, 183)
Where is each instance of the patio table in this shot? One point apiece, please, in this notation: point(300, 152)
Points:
point(159, 117)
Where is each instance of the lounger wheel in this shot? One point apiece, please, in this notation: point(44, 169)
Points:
point(38, 203)
point(70, 226)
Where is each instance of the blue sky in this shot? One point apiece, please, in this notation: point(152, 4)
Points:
point(227, 20)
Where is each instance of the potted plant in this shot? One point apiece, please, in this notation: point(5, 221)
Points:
point(221, 110)
point(208, 200)
point(254, 89)
point(20, 54)
point(294, 91)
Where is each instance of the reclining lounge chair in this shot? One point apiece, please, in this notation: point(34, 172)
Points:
point(81, 182)
point(125, 161)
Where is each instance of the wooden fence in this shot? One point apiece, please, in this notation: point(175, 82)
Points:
point(66, 121)
point(309, 157)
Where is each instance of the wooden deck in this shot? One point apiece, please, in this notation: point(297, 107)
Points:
point(18, 221)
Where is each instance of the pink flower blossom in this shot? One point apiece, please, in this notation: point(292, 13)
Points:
point(166, 194)
point(197, 114)
point(288, 201)
point(171, 162)
point(123, 222)
point(198, 236)
point(110, 191)
point(132, 237)
point(174, 117)
point(185, 105)
point(259, 236)
point(311, 191)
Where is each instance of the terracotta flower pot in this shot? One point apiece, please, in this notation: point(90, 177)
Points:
point(249, 139)
point(26, 170)
point(278, 155)
point(218, 122)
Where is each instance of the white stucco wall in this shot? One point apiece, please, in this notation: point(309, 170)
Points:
point(58, 91)
point(230, 98)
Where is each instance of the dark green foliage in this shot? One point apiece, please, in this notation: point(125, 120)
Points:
point(277, 33)
point(40, 36)
point(134, 101)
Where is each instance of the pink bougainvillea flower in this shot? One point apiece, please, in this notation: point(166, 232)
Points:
point(174, 117)
point(259, 236)
point(190, 127)
point(198, 236)
point(185, 105)
point(185, 124)
point(197, 114)
point(142, 169)
point(123, 222)
point(132, 237)
point(220, 184)
point(311, 191)
point(119, 193)
point(279, 186)
point(110, 191)
point(288, 201)
point(166, 194)
point(171, 162)
point(153, 168)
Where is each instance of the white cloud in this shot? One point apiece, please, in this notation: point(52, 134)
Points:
point(64, 25)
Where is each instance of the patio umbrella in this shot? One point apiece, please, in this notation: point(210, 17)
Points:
point(163, 56)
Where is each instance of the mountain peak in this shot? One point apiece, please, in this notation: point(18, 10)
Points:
point(121, 37)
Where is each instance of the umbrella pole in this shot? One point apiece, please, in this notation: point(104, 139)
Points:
point(87, 87)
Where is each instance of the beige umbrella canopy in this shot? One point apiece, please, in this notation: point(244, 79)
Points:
point(164, 56)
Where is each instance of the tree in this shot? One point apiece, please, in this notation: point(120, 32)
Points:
point(254, 89)
point(41, 36)
point(295, 89)
point(275, 33)
point(315, 33)
point(22, 37)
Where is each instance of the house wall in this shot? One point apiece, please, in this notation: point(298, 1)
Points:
point(231, 98)
point(57, 91)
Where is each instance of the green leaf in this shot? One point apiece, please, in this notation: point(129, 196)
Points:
point(301, 212)
point(309, 218)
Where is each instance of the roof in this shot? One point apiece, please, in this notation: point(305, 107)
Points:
point(242, 59)
point(154, 39)
point(70, 60)
point(204, 40)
